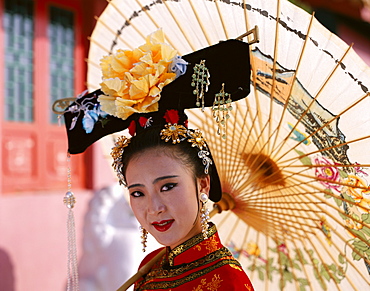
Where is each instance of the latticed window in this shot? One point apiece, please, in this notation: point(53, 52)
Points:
point(18, 25)
point(62, 44)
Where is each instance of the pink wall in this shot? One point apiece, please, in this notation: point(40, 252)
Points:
point(33, 241)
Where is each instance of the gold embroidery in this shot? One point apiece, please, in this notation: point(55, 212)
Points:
point(150, 282)
point(163, 275)
point(189, 244)
point(211, 244)
point(199, 287)
point(235, 267)
point(211, 286)
point(249, 288)
point(215, 284)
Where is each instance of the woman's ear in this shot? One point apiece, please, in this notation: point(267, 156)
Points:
point(204, 184)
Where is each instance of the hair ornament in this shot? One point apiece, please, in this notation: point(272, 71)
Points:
point(116, 153)
point(173, 132)
point(207, 161)
point(197, 139)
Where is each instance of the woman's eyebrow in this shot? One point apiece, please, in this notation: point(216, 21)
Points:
point(164, 178)
point(135, 185)
point(155, 181)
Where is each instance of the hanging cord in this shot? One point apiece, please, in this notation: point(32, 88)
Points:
point(69, 200)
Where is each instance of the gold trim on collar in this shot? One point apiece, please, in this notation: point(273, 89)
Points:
point(189, 244)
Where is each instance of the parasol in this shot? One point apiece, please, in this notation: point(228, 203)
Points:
point(292, 157)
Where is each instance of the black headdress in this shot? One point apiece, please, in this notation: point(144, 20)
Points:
point(225, 65)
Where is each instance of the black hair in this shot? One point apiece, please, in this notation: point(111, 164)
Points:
point(151, 138)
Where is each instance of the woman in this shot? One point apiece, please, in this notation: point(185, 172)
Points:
point(167, 168)
point(168, 188)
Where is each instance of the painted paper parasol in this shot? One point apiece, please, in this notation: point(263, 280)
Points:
point(294, 156)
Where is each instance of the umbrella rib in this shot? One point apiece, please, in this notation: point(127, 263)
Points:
point(345, 256)
point(300, 238)
point(339, 209)
point(303, 231)
point(222, 19)
point(111, 2)
point(98, 19)
point(329, 148)
point(342, 213)
point(246, 16)
point(258, 106)
point(313, 101)
point(329, 166)
point(232, 230)
point(156, 24)
point(284, 235)
point(90, 62)
point(300, 258)
point(273, 86)
point(234, 165)
point(291, 87)
point(179, 26)
point(328, 122)
point(330, 181)
point(267, 265)
point(312, 260)
point(291, 265)
point(200, 22)
point(98, 44)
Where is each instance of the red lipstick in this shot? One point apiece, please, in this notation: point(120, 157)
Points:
point(163, 225)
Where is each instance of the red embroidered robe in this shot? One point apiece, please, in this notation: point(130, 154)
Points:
point(195, 265)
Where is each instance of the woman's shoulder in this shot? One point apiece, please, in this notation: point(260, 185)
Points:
point(150, 256)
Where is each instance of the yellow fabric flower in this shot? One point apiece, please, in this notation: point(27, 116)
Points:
point(133, 80)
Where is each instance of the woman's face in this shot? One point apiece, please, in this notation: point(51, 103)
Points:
point(163, 196)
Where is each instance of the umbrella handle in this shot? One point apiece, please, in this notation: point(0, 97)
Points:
point(146, 268)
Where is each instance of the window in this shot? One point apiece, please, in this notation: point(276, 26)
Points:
point(18, 25)
point(62, 45)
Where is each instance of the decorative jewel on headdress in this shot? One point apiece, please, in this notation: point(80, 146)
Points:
point(221, 108)
point(204, 155)
point(200, 80)
point(117, 152)
point(92, 112)
point(173, 132)
point(197, 139)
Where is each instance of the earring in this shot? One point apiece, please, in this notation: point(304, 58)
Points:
point(204, 214)
point(144, 236)
point(221, 108)
point(200, 80)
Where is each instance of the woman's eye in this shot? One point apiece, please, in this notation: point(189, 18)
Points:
point(136, 194)
point(168, 186)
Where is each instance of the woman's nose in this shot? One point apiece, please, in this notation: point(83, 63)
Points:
point(155, 205)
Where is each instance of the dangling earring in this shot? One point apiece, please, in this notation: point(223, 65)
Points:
point(144, 236)
point(204, 214)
